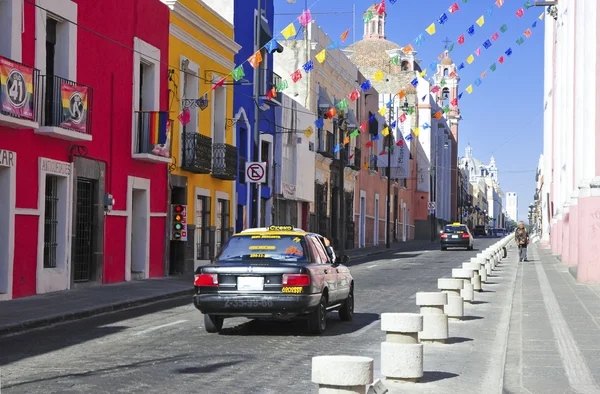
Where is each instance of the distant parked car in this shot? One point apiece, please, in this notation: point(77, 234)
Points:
point(480, 231)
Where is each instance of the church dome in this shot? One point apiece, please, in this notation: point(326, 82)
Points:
point(447, 61)
point(371, 52)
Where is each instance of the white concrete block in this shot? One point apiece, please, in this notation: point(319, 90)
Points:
point(450, 284)
point(401, 322)
point(462, 273)
point(467, 293)
point(435, 327)
point(483, 274)
point(476, 282)
point(431, 298)
point(472, 266)
point(401, 361)
point(455, 307)
point(488, 268)
point(344, 371)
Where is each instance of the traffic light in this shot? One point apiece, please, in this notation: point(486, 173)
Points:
point(178, 222)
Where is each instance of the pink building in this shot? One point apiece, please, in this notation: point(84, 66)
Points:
point(570, 195)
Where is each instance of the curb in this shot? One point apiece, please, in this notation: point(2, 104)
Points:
point(82, 314)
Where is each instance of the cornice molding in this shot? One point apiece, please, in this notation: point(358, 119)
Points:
point(188, 15)
point(190, 40)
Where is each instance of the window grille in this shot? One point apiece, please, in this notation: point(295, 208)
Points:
point(50, 221)
point(203, 228)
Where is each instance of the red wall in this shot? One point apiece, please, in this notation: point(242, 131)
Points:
point(107, 67)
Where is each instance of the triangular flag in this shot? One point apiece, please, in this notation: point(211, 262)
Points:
point(443, 19)
point(499, 3)
point(454, 102)
point(478, 51)
point(395, 60)
point(483, 74)
point(331, 112)
point(289, 31)
point(452, 74)
point(308, 66)
point(520, 41)
point(416, 131)
point(296, 76)
point(400, 143)
point(495, 36)
point(469, 89)
point(408, 49)
point(438, 115)
point(501, 60)
point(541, 16)
point(255, 59)
point(367, 17)
point(366, 165)
point(385, 132)
point(363, 127)
point(333, 45)
point(342, 105)
point(453, 8)
point(355, 133)
point(238, 73)
point(480, 21)
point(369, 144)
point(402, 118)
point(271, 46)
point(431, 29)
point(319, 123)
point(378, 76)
point(471, 30)
point(345, 35)
point(402, 94)
point(346, 140)
point(308, 132)
point(304, 18)
point(520, 13)
point(493, 67)
point(503, 28)
point(321, 56)
point(527, 33)
point(365, 86)
point(355, 94)
point(423, 73)
point(185, 117)
point(451, 47)
point(461, 39)
point(380, 8)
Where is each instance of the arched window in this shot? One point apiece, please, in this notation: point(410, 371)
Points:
point(405, 66)
point(445, 96)
point(445, 72)
point(380, 27)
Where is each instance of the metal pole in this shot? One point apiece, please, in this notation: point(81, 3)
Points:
point(254, 154)
point(342, 152)
point(389, 182)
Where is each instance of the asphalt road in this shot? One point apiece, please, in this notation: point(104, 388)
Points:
point(163, 348)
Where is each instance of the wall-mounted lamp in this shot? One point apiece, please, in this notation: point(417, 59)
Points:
point(109, 201)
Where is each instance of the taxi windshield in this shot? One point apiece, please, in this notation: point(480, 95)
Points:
point(265, 246)
point(455, 229)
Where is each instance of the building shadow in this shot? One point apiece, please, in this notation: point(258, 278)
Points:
point(213, 367)
point(471, 318)
point(271, 328)
point(436, 376)
point(453, 340)
point(479, 302)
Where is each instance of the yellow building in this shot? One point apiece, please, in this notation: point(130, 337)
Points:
point(205, 165)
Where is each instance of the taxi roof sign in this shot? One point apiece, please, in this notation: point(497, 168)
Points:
point(281, 228)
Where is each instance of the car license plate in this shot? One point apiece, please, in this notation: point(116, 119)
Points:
point(250, 283)
point(455, 236)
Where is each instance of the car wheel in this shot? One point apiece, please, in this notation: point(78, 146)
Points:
point(317, 321)
point(213, 323)
point(346, 311)
point(442, 248)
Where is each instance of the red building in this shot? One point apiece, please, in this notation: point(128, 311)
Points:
point(82, 84)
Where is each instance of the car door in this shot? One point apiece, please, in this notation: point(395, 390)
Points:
point(342, 276)
point(327, 269)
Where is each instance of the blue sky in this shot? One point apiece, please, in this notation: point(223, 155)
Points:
point(504, 115)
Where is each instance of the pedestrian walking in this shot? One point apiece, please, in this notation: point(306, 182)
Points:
point(522, 241)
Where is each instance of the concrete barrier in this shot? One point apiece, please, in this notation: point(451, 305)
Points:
point(454, 308)
point(342, 374)
point(401, 353)
point(435, 321)
point(476, 279)
point(482, 269)
point(466, 275)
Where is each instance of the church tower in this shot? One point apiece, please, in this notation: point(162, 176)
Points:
point(493, 169)
point(447, 79)
point(375, 28)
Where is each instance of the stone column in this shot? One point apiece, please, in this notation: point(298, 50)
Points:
point(342, 374)
point(435, 321)
point(401, 353)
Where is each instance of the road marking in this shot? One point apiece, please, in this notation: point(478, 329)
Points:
point(147, 330)
point(372, 266)
point(364, 329)
point(576, 369)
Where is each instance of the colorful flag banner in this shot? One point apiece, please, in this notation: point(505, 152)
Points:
point(17, 89)
point(304, 18)
point(321, 56)
point(75, 109)
point(289, 31)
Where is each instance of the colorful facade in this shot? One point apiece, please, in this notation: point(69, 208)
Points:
point(203, 173)
point(85, 143)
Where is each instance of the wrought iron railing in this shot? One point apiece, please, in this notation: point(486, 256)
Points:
point(276, 80)
point(22, 91)
point(153, 133)
point(196, 153)
point(354, 162)
point(224, 162)
point(67, 104)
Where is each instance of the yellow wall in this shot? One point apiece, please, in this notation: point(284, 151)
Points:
point(177, 49)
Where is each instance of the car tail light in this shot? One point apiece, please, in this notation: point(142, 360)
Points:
point(206, 280)
point(465, 236)
point(444, 235)
point(295, 280)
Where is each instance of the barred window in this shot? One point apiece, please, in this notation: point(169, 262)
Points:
point(50, 221)
point(222, 223)
point(203, 228)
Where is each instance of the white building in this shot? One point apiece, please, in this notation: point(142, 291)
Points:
point(512, 206)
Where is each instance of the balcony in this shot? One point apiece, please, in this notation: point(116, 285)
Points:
point(272, 80)
point(152, 142)
point(354, 163)
point(196, 153)
point(224, 162)
point(66, 112)
point(326, 144)
point(18, 109)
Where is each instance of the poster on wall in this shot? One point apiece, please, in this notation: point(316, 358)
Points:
point(16, 89)
point(75, 105)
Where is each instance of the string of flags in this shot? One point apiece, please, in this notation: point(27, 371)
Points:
point(506, 54)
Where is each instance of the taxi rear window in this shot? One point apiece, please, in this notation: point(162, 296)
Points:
point(266, 246)
point(455, 229)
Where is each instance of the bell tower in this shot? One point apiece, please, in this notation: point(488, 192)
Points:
point(375, 28)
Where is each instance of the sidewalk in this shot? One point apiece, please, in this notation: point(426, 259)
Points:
point(45, 309)
point(554, 344)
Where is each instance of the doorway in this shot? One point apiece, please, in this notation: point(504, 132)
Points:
point(139, 233)
point(376, 226)
point(83, 248)
point(362, 219)
point(5, 230)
